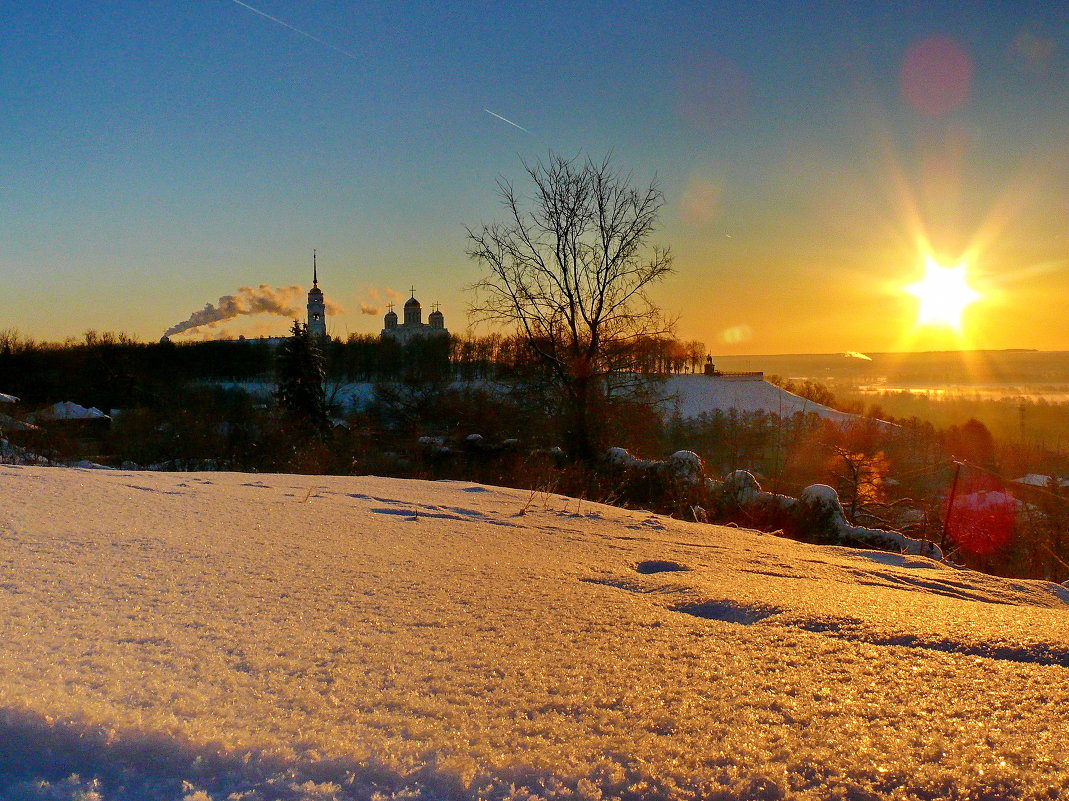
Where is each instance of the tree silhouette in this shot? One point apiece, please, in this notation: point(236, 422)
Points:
point(300, 392)
point(569, 270)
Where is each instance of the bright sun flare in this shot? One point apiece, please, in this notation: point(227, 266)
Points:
point(944, 292)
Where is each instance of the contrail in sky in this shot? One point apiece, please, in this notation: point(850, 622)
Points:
point(305, 34)
point(488, 111)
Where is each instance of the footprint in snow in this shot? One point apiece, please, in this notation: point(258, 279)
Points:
point(659, 566)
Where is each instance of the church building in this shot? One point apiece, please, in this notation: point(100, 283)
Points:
point(413, 325)
point(317, 309)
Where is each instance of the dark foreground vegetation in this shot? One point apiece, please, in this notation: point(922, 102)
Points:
point(475, 409)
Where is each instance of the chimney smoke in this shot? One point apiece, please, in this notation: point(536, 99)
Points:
point(286, 301)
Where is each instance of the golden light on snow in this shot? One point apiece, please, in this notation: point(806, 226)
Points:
point(944, 294)
point(321, 637)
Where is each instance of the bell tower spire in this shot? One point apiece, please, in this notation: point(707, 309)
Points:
point(317, 310)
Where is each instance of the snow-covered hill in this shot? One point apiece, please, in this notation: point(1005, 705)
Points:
point(692, 395)
point(266, 637)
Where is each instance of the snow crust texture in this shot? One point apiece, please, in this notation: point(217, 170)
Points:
point(227, 636)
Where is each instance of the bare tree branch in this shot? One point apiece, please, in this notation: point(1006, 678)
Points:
point(569, 271)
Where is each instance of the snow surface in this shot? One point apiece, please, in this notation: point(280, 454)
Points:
point(5, 398)
point(693, 395)
point(234, 636)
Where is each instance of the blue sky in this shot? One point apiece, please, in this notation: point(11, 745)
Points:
point(158, 155)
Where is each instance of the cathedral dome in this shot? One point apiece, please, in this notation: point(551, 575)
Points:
point(412, 303)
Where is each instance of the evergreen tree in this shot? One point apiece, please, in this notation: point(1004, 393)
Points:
point(300, 374)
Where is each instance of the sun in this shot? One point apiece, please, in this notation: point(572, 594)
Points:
point(944, 293)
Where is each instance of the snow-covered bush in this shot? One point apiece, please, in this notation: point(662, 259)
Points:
point(740, 499)
point(14, 454)
point(678, 486)
point(820, 509)
point(686, 466)
point(741, 486)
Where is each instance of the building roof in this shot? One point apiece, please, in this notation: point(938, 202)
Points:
point(1037, 480)
point(67, 410)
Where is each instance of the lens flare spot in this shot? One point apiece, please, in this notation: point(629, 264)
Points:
point(700, 202)
point(736, 335)
point(936, 75)
point(1032, 52)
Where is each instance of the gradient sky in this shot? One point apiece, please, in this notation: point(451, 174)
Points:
point(155, 156)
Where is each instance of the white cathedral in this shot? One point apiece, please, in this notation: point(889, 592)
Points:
point(413, 326)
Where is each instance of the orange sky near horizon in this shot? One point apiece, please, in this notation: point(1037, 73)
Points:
point(812, 159)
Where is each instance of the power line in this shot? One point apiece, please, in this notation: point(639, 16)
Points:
point(1031, 487)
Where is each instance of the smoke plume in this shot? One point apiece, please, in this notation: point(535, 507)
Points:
point(379, 298)
point(286, 301)
point(853, 354)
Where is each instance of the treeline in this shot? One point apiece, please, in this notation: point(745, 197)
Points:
point(368, 357)
point(115, 371)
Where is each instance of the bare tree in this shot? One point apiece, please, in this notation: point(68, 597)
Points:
point(569, 269)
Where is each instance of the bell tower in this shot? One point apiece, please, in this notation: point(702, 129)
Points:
point(317, 310)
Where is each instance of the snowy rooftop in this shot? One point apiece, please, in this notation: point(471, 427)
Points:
point(66, 410)
point(221, 635)
point(1037, 480)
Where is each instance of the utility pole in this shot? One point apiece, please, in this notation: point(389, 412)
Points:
point(950, 504)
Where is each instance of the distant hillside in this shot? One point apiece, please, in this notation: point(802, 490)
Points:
point(693, 395)
point(954, 368)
